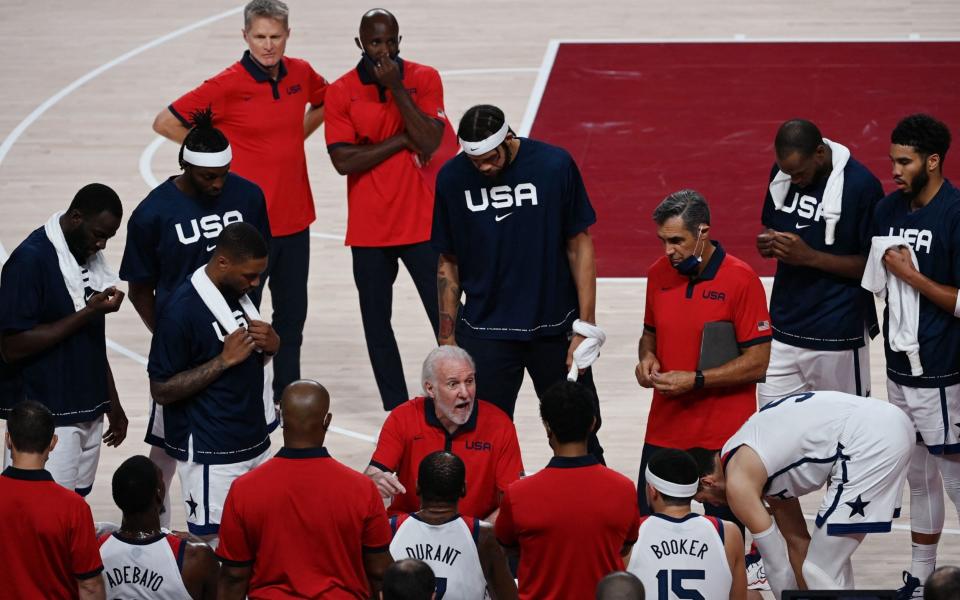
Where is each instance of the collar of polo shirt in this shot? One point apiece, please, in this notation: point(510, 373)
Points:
point(430, 414)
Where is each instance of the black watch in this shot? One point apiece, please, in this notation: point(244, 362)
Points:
point(698, 380)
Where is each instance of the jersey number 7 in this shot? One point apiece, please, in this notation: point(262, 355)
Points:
point(672, 581)
point(441, 588)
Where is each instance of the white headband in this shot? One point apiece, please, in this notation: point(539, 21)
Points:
point(484, 146)
point(669, 488)
point(207, 159)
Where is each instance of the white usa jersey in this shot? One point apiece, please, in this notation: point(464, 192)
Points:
point(859, 447)
point(681, 558)
point(450, 549)
point(147, 570)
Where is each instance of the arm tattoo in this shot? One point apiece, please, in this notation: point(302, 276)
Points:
point(187, 383)
point(446, 289)
point(446, 325)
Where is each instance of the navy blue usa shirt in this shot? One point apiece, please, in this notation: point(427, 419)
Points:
point(509, 236)
point(70, 378)
point(170, 235)
point(226, 418)
point(934, 233)
point(810, 308)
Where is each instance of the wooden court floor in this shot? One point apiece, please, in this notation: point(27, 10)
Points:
point(83, 81)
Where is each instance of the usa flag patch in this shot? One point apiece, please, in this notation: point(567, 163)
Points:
point(763, 325)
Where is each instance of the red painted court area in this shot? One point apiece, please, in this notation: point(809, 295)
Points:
point(647, 119)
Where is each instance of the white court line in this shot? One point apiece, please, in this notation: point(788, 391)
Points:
point(146, 160)
point(353, 434)
point(533, 104)
point(47, 104)
point(3, 254)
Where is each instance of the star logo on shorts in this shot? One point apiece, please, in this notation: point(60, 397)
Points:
point(193, 506)
point(857, 506)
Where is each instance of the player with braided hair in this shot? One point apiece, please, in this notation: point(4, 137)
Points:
point(174, 231)
point(267, 104)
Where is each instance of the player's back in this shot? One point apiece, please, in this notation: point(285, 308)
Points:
point(144, 569)
point(450, 549)
point(682, 558)
point(798, 437)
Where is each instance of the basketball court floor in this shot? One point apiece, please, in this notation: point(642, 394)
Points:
point(83, 82)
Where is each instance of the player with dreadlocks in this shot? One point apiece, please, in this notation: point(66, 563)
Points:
point(511, 221)
point(174, 231)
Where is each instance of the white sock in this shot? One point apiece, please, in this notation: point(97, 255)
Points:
point(773, 549)
point(923, 560)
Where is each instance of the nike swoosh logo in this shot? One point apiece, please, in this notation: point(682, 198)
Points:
point(502, 217)
point(210, 248)
point(799, 226)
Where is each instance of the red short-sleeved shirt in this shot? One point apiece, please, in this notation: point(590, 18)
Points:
point(676, 311)
point(392, 203)
point(263, 119)
point(304, 521)
point(571, 521)
point(487, 444)
point(47, 540)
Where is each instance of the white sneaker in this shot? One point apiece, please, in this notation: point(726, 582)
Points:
point(756, 575)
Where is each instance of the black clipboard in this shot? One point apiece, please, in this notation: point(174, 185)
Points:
point(718, 345)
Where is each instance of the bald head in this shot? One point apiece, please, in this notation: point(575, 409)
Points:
point(306, 414)
point(944, 583)
point(378, 15)
point(620, 586)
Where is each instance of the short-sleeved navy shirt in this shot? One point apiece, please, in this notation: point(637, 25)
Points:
point(170, 235)
point(509, 236)
point(934, 233)
point(225, 420)
point(811, 308)
point(69, 378)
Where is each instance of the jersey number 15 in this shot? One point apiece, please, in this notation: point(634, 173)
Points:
point(672, 581)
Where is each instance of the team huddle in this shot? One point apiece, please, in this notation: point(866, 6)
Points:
point(754, 404)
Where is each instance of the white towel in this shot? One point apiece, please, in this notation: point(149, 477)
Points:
point(217, 304)
point(589, 349)
point(832, 194)
point(101, 277)
point(903, 300)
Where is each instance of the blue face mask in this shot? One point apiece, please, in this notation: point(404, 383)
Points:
point(690, 264)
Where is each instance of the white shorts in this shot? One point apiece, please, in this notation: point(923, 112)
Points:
point(205, 490)
point(73, 462)
point(863, 492)
point(794, 370)
point(935, 413)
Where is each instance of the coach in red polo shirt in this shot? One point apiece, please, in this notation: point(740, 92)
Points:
point(693, 284)
point(387, 132)
point(259, 103)
point(573, 522)
point(302, 524)
point(47, 541)
point(448, 418)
